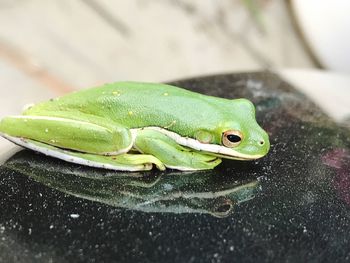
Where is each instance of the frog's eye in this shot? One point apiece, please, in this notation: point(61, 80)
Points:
point(222, 207)
point(232, 138)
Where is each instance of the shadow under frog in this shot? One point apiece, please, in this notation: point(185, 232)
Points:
point(166, 192)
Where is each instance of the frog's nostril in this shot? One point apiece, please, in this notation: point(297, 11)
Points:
point(262, 142)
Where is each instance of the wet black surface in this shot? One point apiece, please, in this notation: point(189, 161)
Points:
point(293, 205)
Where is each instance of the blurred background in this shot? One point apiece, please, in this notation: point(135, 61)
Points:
point(48, 48)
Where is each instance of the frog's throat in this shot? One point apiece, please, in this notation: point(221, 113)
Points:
point(218, 150)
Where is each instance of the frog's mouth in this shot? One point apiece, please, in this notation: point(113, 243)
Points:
point(215, 149)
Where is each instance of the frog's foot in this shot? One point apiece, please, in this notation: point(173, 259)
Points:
point(122, 162)
point(171, 154)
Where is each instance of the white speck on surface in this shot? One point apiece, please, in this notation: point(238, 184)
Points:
point(168, 187)
point(304, 230)
point(51, 226)
point(46, 130)
point(253, 84)
point(74, 215)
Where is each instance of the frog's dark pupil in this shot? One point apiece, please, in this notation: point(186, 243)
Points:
point(233, 138)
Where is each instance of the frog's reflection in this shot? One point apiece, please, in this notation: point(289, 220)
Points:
point(173, 192)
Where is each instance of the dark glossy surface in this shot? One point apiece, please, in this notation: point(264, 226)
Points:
point(293, 205)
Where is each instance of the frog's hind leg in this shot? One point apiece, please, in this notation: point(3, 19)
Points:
point(86, 140)
point(122, 162)
point(87, 134)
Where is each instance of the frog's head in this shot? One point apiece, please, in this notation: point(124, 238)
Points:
point(239, 136)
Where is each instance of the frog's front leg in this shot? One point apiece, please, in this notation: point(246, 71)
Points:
point(171, 154)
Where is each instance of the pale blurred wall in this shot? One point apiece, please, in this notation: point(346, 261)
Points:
point(60, 45)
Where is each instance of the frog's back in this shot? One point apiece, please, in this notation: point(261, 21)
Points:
point(143, 104)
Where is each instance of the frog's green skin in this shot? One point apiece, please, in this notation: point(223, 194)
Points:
point(172, 127)
point(193, 192)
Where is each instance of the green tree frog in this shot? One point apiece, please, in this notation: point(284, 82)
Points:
point(132, 126)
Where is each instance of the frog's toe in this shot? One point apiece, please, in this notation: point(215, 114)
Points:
point(215, 160)
point(210, 162)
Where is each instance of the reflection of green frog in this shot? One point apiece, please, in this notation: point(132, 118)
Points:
point(192, 192)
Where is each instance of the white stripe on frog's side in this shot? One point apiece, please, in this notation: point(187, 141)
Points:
point(65, 156)
point(222, 151)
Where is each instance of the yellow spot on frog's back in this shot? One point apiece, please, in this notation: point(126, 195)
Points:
point(52, 141)
point(116, 93)
point(25, 120)
point(165, 93)
point(46, 130)
point(130, 113)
